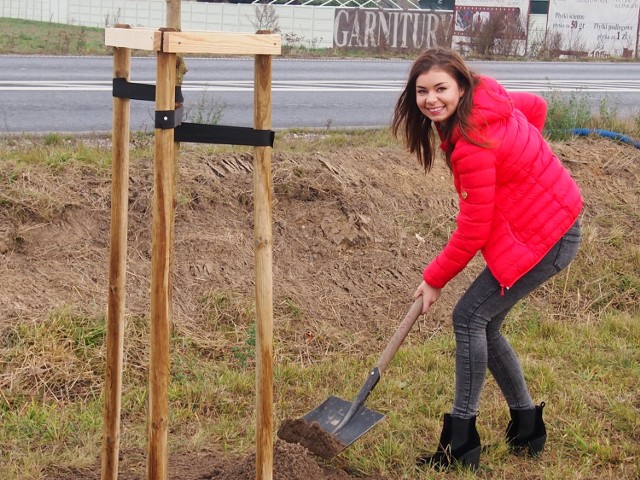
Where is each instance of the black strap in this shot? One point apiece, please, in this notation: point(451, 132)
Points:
point(139, 91)
point(192, 132)
point(168, 118)
point(224, 135)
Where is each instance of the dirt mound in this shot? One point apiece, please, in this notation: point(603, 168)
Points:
point(291, 461)
point(342, 233)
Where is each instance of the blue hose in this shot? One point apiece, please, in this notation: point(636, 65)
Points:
point(606, 134)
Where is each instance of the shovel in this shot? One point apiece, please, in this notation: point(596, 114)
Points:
point(347, 421)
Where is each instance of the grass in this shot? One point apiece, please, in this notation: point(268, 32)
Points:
point(30, 37)
point(580, 348)
point(588, 374)
point(565, 113)
point(208, 109)
point(38, 201)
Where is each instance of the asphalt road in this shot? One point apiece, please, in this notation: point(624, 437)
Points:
point(73, 94)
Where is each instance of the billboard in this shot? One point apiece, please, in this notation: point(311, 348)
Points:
point(597, 28)
point(404, 30)
point(491, 26)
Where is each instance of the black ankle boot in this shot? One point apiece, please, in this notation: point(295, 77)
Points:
point(459, 443)
point(526, 431)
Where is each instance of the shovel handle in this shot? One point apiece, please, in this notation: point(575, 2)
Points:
point(383, 362)
point(401, 333)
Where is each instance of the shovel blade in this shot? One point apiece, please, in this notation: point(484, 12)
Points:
point(331, 412)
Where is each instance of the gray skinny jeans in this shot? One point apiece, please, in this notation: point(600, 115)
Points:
point(477, 319)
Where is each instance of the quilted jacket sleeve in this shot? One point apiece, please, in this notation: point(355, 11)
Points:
point(533, 106)
point(475, 167)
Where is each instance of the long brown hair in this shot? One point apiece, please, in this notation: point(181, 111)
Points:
point(419, 137)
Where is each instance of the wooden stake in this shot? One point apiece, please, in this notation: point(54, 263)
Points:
point(117, 272)
point(264, 276)
point(161, 271)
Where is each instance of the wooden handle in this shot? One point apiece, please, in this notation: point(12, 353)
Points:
point(401, 333)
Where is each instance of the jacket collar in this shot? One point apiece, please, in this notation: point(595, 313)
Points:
point(491, 104)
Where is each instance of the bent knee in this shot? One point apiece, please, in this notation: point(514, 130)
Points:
point(461, 317)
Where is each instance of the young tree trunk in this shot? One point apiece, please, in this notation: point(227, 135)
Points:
point(174, 20)
point(174, 17)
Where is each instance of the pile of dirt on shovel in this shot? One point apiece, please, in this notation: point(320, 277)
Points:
point(310, 436)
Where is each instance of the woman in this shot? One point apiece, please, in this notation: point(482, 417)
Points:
point(517, 205)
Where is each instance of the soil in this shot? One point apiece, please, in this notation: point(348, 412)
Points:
point(310, 436)
point(291, 461)
point(352, 230)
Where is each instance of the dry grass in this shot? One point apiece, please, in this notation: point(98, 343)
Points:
point(578, 336)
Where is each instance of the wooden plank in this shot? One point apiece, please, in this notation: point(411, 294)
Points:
point(228, 43)
point(139, 38)
point(117, 271)
point(263, 199)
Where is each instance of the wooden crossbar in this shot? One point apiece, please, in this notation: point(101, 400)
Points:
point(138, 38)
point(221, 43)
point(194, 41)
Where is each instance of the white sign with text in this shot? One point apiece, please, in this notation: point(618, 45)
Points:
point(597, 28)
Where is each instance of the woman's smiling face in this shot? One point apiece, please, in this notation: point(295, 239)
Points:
point(437, 94)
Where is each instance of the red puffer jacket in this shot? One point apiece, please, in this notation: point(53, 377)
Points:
point(516, 200)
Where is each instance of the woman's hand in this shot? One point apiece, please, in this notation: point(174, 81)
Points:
point(429, 295)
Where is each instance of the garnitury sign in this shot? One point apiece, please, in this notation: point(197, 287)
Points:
point(391, 29)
